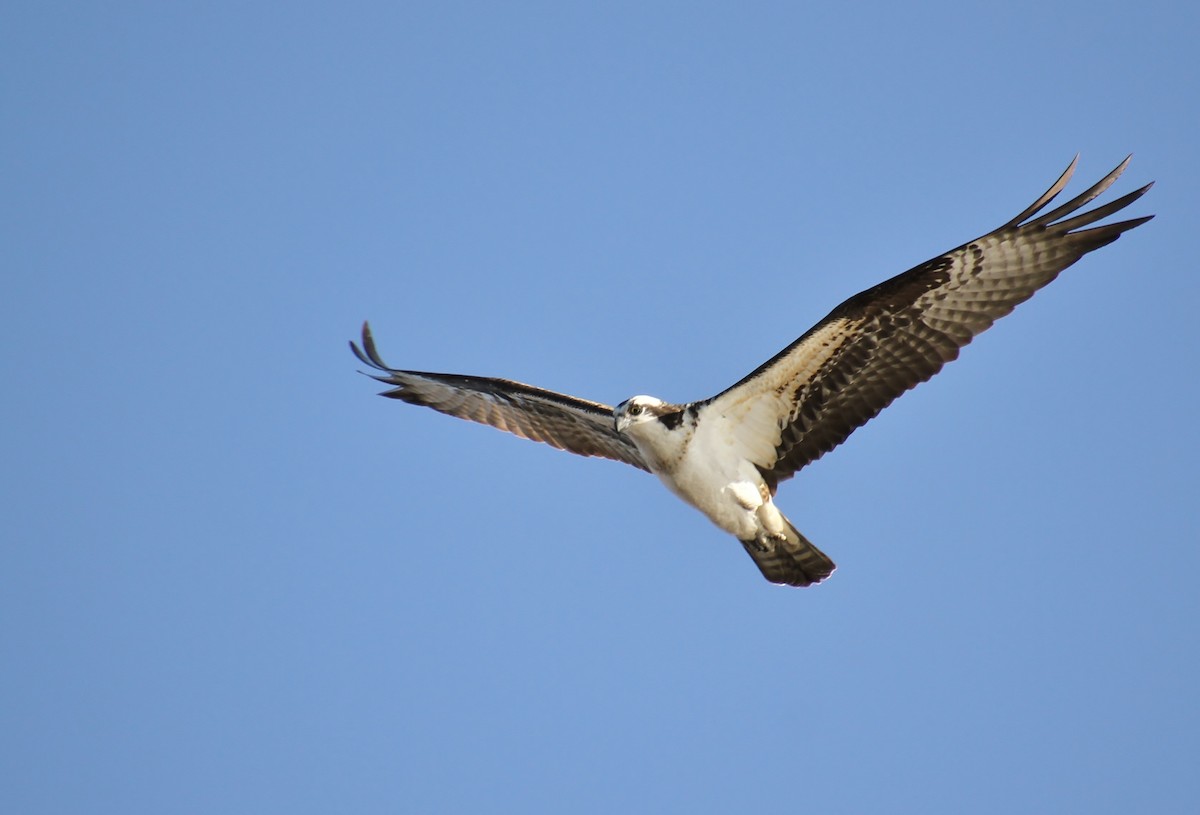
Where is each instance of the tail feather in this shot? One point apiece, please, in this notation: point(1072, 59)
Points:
point(793, 561)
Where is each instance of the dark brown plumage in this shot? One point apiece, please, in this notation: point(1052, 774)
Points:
point(575, 425)
point(901, 332)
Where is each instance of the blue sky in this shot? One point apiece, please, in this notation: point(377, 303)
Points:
point(234, 580)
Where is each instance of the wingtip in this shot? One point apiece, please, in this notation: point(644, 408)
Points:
point(1068, 173)
point(1119, 169)
point(358, 352)
point(368, 354)
point(1134, 222)
point(1053, 217)
point(1049, 195)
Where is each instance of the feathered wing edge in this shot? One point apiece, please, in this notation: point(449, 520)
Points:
point(566, 422)
point(883, 341)
point(1072, 225)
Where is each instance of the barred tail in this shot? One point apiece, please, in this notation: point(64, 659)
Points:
point(792, 561)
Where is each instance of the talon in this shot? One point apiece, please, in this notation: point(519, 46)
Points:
point(759, 544)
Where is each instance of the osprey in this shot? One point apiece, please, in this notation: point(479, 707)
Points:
point(727, 455)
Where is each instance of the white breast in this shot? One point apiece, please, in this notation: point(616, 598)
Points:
point(706, 471)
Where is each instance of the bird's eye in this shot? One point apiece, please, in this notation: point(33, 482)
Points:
point(635, 410)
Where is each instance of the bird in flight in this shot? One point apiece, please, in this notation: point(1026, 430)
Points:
point(726, 455)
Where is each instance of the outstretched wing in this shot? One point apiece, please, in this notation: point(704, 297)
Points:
point(576, 425)
point(878, 344)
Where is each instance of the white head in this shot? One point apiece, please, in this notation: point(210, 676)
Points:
point(637, 410)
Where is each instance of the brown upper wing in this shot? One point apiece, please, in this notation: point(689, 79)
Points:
point(562, 421)
point(880, 343)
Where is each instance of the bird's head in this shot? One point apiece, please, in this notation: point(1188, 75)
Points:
point(639, 409)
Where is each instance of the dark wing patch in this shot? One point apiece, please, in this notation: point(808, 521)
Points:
point(575, 425)
point(884, 341)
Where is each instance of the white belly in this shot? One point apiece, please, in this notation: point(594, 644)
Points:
point(732, 493)
point(709, 472)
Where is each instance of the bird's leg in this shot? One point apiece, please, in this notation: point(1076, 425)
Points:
point(756, 545)
point(765, 542)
